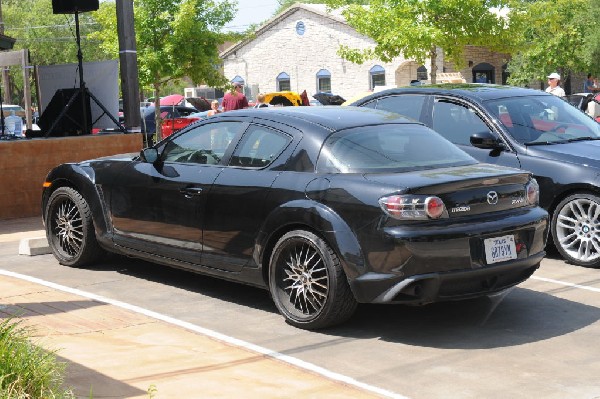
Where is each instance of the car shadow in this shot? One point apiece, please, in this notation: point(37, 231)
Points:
point(213, 287)
point(514, 317)
point(552, 253)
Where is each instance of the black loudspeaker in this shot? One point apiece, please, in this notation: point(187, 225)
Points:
point(71, 123)
point(73, 6)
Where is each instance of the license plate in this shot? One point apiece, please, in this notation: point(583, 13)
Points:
point(499, 249)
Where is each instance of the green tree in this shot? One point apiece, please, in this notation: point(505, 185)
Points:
point(175, 39)
point(418, 28)
point(285, 4)
point(49, 37)
point(558, 35)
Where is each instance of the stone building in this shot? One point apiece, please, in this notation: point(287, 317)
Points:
point(297, 50)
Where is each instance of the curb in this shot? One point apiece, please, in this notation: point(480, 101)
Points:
point(34, 246)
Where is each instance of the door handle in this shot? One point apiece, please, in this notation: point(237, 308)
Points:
point(190, 192)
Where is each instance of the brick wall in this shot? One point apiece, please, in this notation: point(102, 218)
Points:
point(25, 163)
point(281, 49)
point(478, 55)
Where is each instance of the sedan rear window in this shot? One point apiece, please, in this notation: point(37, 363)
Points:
point(388, 148)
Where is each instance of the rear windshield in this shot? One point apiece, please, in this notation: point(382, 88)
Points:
point(388, 148)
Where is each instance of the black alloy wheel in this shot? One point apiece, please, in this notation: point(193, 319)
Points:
point(307, 282)
point(576, 229)
point(69, 228)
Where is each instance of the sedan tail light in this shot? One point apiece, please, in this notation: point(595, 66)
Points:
point(413, 207)
point(533, 192)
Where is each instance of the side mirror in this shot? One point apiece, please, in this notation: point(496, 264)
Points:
point(149, 155)
point(486, 140)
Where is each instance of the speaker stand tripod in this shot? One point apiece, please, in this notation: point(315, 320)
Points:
point(83, 92)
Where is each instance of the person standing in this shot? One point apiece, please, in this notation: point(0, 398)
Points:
point(260, 101)
point(588, 84)
point(234, 99)
point(214, 108)
point(554, 85)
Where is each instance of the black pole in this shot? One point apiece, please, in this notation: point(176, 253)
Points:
point(86, 129)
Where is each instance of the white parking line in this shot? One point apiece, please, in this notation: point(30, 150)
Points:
point(549, 280)
point(213, 334)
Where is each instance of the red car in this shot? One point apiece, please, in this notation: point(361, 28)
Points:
point(171, 125)
point(174, 118)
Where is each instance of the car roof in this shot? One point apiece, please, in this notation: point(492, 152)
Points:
point(474, 91)
point(332, 117)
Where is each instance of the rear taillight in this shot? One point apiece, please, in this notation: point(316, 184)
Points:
point(532, 190)
point(413, 207)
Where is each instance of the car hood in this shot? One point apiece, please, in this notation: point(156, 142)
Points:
point(580, 152)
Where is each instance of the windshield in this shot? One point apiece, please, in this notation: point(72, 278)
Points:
point(389, 148)
point(544, 119)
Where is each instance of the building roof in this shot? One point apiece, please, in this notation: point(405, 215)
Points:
point(319, 9)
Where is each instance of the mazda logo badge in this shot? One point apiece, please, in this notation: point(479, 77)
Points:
point(492, 198)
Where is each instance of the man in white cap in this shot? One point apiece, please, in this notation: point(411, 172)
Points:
point(554, 85)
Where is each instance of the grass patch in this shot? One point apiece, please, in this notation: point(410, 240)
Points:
point(26, 370)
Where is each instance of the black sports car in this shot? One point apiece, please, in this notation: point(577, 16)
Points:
point(526, 129)
point(324, 206)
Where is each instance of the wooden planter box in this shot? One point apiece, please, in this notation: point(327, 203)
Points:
point(24, 165)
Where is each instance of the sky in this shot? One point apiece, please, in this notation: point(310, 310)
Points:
point(251, 12)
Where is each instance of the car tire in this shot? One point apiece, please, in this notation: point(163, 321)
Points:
point(70, 230)
point(307, 282)
point(576, 229)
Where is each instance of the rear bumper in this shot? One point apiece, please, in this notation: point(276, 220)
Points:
point(443, 286)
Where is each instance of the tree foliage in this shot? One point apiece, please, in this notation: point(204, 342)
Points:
point(416, 29)
point(558, 35)
point(175, 39)
point(49, 37)
point(285, 4)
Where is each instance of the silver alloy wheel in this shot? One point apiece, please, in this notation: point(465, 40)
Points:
point(305, 279)
point(67, 224)
point(578, 229)
point(70, 228)
point(308, 283)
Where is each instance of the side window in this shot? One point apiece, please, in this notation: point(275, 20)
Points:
point(456, 122)
point(259, 147)
point(206, 144)
point(407, 105)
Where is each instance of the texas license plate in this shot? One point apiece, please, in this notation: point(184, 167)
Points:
point(499, 249)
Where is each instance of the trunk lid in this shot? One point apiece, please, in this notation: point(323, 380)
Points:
point(469, 190)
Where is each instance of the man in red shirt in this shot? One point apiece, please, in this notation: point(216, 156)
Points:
point(234, 99)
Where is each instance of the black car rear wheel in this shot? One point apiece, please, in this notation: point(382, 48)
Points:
point(576, 229)
point(69, 228)
point(307, 282)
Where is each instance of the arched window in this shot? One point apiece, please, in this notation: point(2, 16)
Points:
point(484, 73)
point(283, 82)
point(377, 75)
point(324, 81)
point(422, 73)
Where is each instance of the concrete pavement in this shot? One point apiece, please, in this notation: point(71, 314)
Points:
point(115, 352)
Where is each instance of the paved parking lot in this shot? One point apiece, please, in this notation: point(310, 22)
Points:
point(537, 340)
